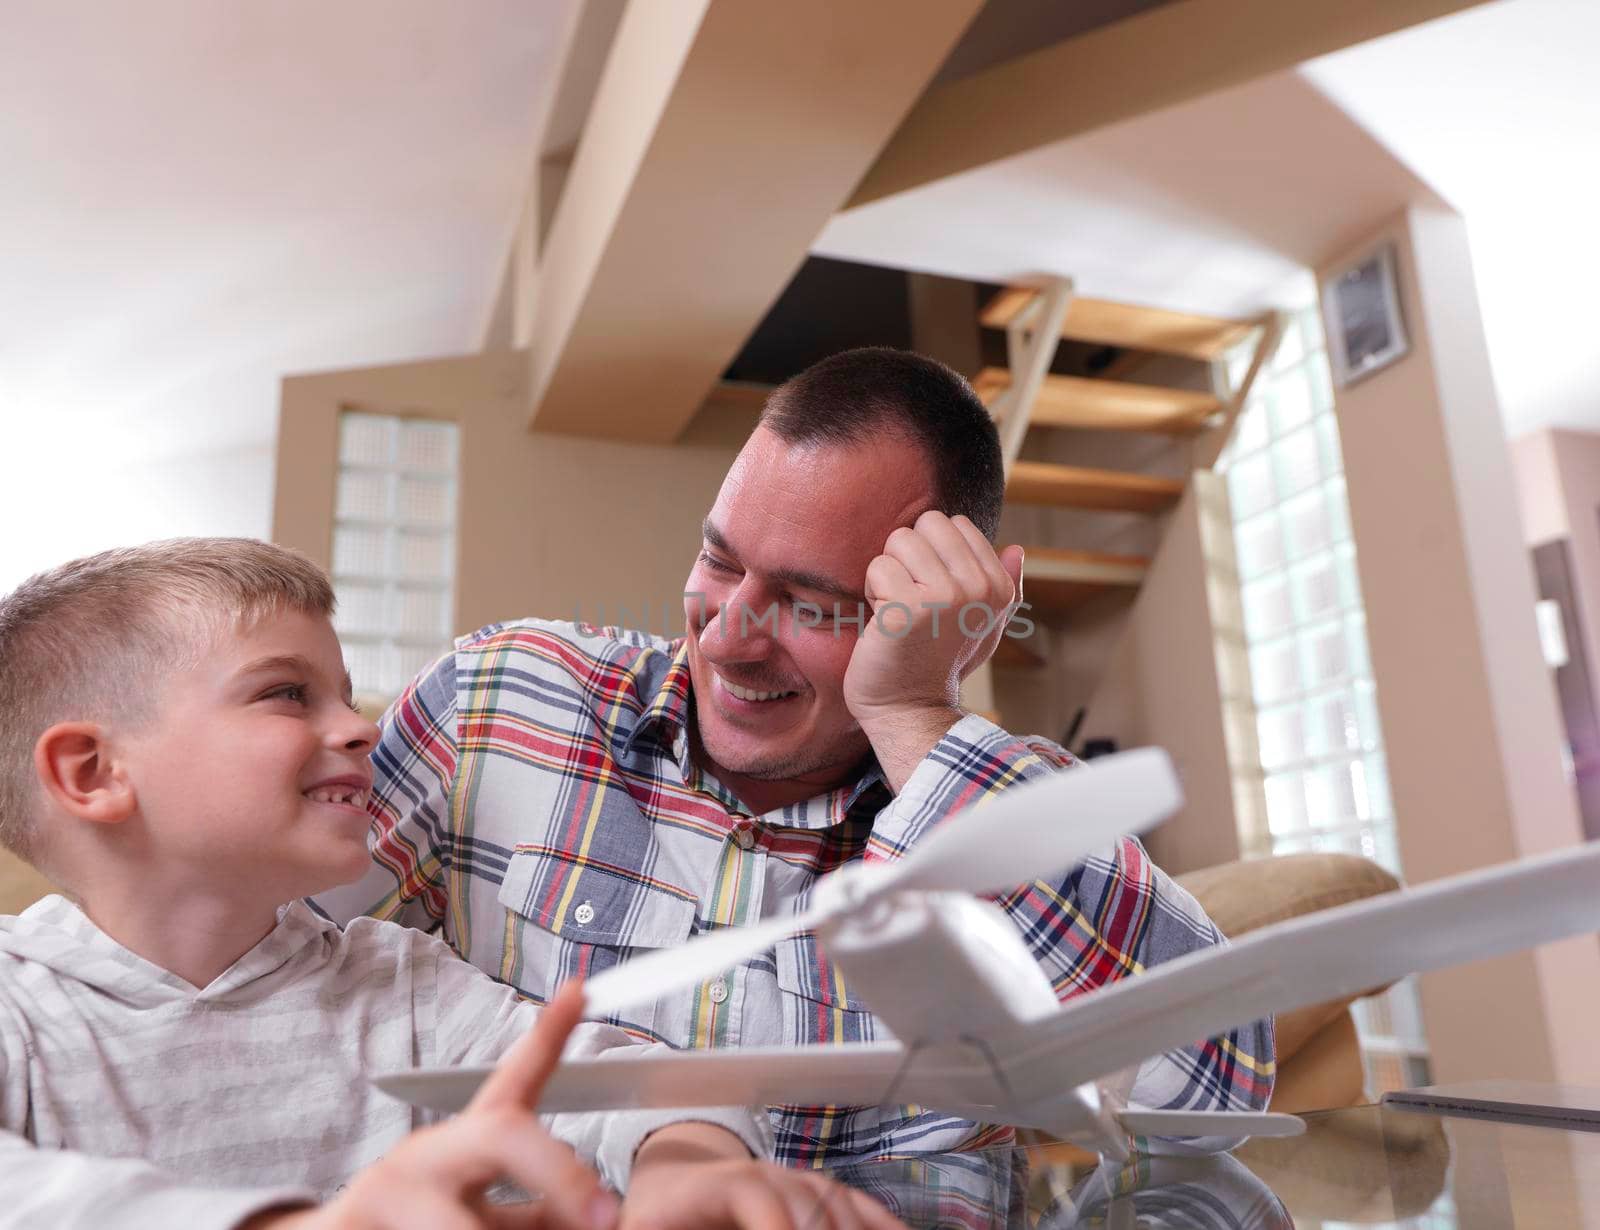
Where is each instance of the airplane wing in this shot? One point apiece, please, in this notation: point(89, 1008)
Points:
point(857, 1074)
point(956, 1080)
point(1306, 960)
point(1237, 1123)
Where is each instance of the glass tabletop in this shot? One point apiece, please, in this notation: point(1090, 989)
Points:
point(1364, 1166)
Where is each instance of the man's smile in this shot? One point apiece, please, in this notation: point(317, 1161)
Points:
point(752, 694)
point(738, 700)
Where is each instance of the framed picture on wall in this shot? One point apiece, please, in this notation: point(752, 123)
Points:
point(1361, 311)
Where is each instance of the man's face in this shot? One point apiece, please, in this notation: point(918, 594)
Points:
point(792, 525)
point(253, 770)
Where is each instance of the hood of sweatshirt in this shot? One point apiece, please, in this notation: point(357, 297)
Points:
point(54, 935)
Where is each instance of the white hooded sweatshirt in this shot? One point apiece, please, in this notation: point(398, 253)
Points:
point(130, 1098)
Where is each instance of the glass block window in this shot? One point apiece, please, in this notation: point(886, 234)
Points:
point(394, 547)
point(1319, 756)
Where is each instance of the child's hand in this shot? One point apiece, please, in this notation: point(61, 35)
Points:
point(683, 1181)
point(437, 1176)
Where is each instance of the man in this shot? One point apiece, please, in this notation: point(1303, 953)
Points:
point(555, 797)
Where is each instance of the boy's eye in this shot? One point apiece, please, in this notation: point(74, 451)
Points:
point(293, 692)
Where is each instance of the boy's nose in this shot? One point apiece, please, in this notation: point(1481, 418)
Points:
point(358, 733)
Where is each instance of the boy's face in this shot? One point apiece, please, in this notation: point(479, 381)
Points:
point(253, 772)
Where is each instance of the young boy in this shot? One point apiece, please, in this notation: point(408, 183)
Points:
point(179, 1046)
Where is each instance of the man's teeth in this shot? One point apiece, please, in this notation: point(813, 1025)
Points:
point(337, 794)
point(750, 694)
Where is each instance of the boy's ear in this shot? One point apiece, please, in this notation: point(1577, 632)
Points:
point(77, 772)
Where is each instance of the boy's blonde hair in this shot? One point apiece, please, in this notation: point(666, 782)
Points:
point(89, 641)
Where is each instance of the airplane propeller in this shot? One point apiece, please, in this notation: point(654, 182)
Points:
point(1030, 830)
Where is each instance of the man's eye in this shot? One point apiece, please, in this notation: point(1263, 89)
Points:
point(809, 614)
point(713, 563)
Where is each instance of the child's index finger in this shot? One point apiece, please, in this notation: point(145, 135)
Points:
point(519, 1078)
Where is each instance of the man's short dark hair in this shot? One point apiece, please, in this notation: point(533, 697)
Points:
point(858, 395)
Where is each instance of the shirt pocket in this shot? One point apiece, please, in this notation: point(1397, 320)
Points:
point(575, 917)
point(818, 1007)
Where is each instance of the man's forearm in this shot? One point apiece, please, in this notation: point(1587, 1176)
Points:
point(689, 1142)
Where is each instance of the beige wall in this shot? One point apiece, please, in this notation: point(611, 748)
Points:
point(20, 884)
point(1159, 686)
point(1578, 463)
point(1083, 640)
point(1558, 486)
point(547, 524)
point(1467, 706)
point(1539, 495)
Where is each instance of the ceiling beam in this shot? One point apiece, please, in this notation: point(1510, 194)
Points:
point(589, 41)
point(586, 44)
point(1155, 59)
point(723, 136)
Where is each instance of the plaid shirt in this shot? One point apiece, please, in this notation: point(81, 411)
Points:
point(537, 803)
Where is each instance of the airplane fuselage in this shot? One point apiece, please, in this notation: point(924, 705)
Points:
point(940, 967)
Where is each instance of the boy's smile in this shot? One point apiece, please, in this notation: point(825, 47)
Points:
point(346, 792)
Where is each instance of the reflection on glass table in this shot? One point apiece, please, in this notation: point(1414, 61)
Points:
point(1364, 1166)
point(1039, 1189)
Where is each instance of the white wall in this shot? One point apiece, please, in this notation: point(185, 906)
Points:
point(62, 501)
point(63, 497)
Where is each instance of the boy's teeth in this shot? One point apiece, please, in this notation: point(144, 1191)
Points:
point(324, 795)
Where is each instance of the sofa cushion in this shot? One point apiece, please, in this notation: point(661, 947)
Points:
point(20, 884)
point(1258, 892)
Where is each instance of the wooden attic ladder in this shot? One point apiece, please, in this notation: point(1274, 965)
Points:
point(1025, 396)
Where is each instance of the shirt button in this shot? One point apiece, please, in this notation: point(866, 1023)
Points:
point(744, 838)
point(583, 915)
point(719, 991)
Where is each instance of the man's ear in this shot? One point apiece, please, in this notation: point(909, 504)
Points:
point(77, 772)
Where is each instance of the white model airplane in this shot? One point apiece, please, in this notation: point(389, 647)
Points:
point(980, 1032)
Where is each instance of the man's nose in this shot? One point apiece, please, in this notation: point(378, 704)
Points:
point(740, 629)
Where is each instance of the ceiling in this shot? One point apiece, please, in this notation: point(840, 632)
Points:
point(1499, 108)
point(199, 198)
point(1217, 205)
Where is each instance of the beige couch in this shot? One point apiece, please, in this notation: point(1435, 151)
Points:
point(20, 884)
point(1319, 1060)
